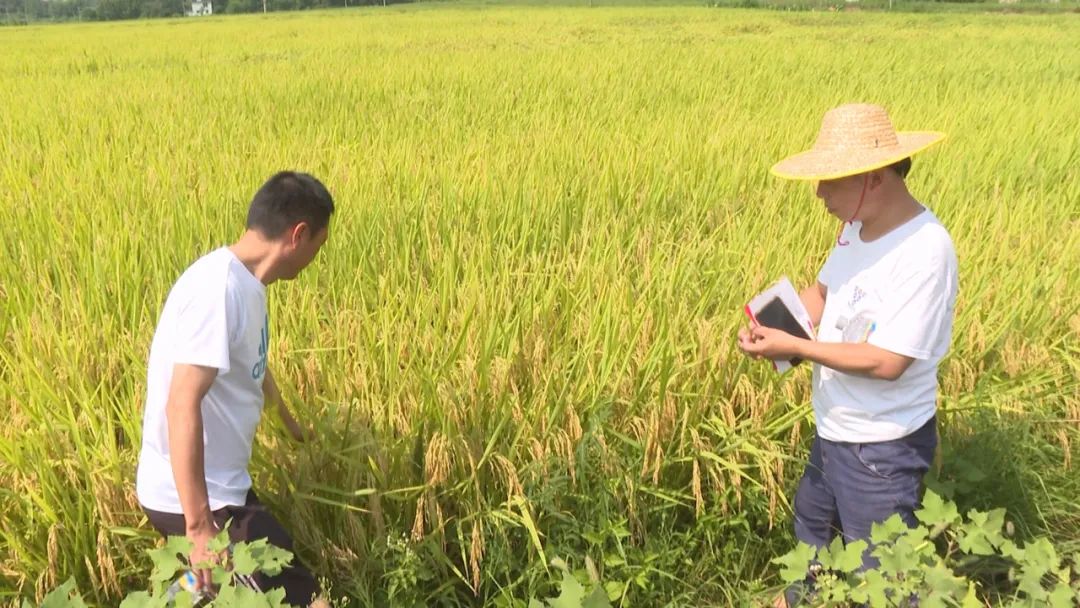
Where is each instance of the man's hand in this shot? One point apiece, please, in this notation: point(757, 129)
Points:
point(769, 343)
point(275, 400)
point(202, 558)
point(299, 433)
point(745, 340)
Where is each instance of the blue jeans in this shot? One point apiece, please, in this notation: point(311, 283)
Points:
point(848, 487)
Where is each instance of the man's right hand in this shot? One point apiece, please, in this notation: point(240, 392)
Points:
point(202, 558)
point(746, 340)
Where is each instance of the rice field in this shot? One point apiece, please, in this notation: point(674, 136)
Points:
point(518, 343)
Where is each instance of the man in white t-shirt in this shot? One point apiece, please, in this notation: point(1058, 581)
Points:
point(883, 308)
point(208, 379)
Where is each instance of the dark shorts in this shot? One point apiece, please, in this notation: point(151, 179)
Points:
point(252, 522)
point(848, 487)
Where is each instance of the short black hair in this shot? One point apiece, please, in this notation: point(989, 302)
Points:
point(285, 200)
point(901, 167)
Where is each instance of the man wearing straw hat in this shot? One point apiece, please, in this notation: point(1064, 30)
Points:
point(883, 308)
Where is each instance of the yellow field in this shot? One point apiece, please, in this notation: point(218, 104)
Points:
point(519, 342)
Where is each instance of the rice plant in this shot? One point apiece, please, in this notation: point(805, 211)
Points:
point(518, 343)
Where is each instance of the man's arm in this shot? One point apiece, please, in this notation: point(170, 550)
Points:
point(274, 399)
point(183, 411)
point(855, 359)
point(813, 299)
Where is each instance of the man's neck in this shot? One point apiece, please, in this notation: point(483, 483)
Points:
point(257, 255)
point(894, 210)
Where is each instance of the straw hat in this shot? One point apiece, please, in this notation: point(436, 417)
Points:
point(854, 139)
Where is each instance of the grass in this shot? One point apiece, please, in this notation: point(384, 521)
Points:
point(518, 343)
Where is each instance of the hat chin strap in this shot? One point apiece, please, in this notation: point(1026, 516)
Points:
point(839, 240)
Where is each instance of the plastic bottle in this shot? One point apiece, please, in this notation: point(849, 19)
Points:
point(186, 582)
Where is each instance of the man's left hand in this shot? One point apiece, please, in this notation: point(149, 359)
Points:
point(770, 343)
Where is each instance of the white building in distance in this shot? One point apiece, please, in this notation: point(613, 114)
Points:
point(200, 8)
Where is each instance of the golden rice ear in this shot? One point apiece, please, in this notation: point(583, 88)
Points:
point(476, 554)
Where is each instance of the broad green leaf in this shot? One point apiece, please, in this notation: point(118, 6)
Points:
point(220, 576)
point(273, 559)
point(1063, 596)
point(969, 472)
point(796, 563)
point(613, 560)
point(593, 538)
point(936, 511)
point(275, 598)
point(838, 590)
point(142, 599)
point(917, 534)
point(942, 580)
point(243, 559)
point(229, 597)
point(851, 558)
point(898, 557)
point(972, 541)
point(572, 593)
point(242, 597)
point(971, 600)
point(1040, 556)
point(597, 599)
point(220, 543)
point(64, 596)
point(845, 558)
point(825, 554)
point(167, 560)
point(1030, 584)
point(982, 534)
point(888, 531)
point(183, 599)
point(872, 589)
point(1011, 551)
point(615, 590)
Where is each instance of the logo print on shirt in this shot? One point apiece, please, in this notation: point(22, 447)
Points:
point(856, 296)
point(259, 369)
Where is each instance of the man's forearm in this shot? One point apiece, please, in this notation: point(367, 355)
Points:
point(855, 359)
point(298, 433)
point(813, 300)
point(188, 465)
point(273, 397)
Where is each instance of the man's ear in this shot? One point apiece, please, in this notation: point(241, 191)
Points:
point(877, 177)
point(299, 232)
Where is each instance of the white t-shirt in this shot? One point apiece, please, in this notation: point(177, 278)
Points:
point(898, 293)
point(215, 316)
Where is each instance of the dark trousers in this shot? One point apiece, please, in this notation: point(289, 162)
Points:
point(251, 522)
point(848, 487)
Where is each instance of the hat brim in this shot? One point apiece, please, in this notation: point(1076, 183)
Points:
point(819, 165)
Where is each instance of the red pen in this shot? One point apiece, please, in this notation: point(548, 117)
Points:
point(753, 319)
point(750, 314)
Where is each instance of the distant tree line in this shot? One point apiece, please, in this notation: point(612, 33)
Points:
point(25, 11)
